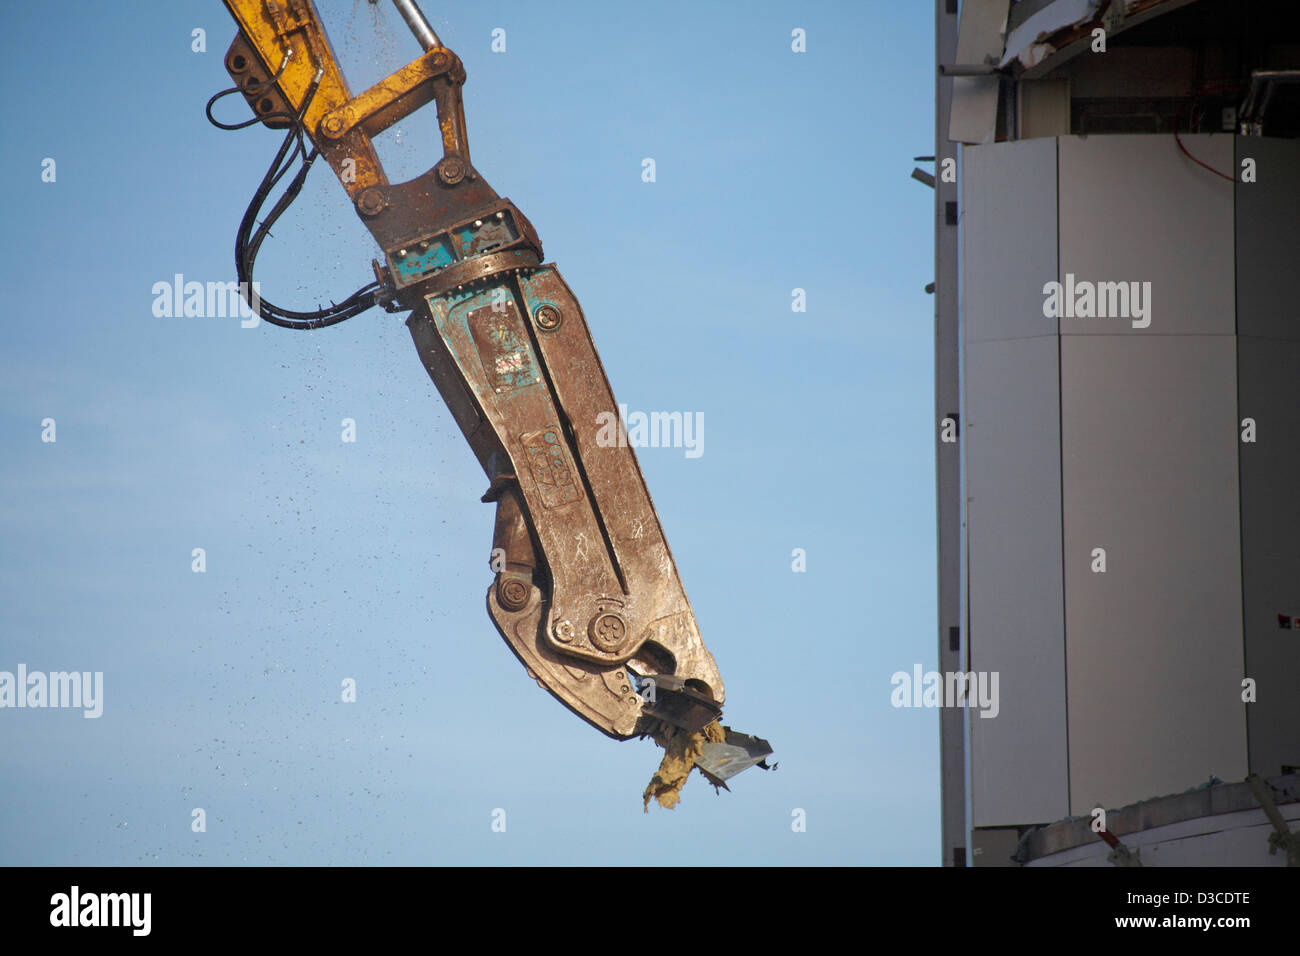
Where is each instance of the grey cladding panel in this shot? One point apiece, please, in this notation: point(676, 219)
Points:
point(1268, 239)
point(1270, 536)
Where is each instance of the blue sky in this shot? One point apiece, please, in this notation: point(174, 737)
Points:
point(328, 560)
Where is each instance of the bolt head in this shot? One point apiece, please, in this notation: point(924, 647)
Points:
point(452, 169)
point(607, 631)
point(547, 317)
point(371, 202)
point(513, 594)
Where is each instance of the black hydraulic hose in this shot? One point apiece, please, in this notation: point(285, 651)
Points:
point(248, 241)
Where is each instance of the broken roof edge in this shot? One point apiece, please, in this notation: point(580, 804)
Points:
point(1063, 29)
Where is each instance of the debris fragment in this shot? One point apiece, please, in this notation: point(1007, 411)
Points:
point(681, 750)
point(721, 760)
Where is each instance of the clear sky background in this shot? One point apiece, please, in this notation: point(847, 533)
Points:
point(327, 560)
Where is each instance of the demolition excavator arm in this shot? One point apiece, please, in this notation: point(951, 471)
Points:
point(586, 593)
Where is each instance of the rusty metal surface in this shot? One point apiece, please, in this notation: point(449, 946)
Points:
point(586, 593)
point(612, 594)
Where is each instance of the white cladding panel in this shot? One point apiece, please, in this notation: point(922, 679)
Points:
point(1018, 757)
point(1154, 644)
point(1118, 686)
point(1134, 209)
point(1008, 222)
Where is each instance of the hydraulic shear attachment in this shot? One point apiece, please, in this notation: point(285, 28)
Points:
point(586, 593)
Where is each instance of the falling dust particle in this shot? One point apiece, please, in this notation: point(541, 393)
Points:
point(681, 750)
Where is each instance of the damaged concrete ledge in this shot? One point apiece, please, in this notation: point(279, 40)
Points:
point(1207, 801)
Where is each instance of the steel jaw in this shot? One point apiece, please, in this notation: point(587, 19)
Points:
point(587, 594)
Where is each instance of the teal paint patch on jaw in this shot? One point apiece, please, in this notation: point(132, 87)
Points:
point(417, 263)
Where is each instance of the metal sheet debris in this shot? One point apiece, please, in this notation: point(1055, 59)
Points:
point(1031, 37)
point(719, 762)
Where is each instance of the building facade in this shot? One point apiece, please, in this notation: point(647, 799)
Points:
point(1118, 368)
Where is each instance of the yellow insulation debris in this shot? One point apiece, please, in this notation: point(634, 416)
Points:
point(681, 749)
